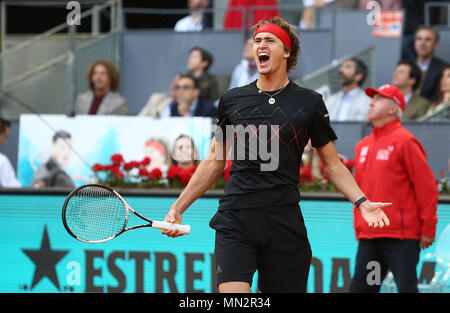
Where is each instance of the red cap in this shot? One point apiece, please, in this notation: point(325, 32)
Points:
point(388, 91)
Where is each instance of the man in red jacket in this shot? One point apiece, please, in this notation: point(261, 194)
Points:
point(390, 164)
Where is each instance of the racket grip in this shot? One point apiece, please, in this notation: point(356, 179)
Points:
point(185, 229)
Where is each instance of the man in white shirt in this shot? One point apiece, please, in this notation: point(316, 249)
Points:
point(158, 102)
point(351, 103)
point(195, 20)
point(7, 176)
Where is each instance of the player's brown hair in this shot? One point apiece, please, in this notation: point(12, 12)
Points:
point(113, 73)
point(295, 43)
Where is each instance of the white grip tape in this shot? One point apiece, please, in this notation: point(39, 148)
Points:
point(186, 229)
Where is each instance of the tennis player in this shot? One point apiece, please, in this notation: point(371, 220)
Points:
point(259, 224)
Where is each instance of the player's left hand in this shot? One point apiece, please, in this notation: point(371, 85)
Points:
point(373, 214)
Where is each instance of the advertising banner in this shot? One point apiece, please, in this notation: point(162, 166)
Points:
point(38, 255)
point(75, 144)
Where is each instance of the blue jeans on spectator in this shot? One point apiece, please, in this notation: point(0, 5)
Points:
point(395, 255)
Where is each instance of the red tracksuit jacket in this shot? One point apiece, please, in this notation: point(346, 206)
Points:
point(391, 166)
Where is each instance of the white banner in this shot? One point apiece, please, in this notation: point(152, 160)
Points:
point(77, 143)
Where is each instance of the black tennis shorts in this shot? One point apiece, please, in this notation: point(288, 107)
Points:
point(271, 240)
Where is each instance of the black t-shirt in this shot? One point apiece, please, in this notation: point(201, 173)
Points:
point(259, 176)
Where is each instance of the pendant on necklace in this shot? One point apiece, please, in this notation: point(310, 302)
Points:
point(271, 100)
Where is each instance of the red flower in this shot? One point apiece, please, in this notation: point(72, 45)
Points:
point(117, 159)
point(349, 164)
point(118, 174)
point(114, 168)
point(130, 165)
point(145, 161)
point(173, 171)
point(98, 167)
point(143, 172)
point(306, 174)
point(155, 173)
point(185, 176)
point(191, 169)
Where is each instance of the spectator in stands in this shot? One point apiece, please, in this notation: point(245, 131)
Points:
point(52, 173)
point(407, 77)
point(425, 44)
point(309, 11)
point(159, 101)
point(189, 102)
point(103, 96)
point(246, 71)
point(391, 164)
point(351, 103)
point(7, 176)
point(441, 107)
point(198, 64)
point(184, 154)
point(260, 9)
point(195, 21)
point(414, 16)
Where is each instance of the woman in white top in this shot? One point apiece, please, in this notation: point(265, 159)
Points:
point(443, 101)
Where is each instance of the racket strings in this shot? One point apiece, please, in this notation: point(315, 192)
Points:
point(95, 214)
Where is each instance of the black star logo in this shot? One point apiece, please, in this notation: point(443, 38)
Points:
point(45, 260)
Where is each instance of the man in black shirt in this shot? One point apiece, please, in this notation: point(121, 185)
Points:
point(264, 127)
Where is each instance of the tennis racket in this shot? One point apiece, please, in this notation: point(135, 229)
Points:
point(95, 213)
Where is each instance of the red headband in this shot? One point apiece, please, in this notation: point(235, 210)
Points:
point(277, 31)
point(156, 145)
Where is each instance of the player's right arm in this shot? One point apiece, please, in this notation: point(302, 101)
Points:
point(208, 171)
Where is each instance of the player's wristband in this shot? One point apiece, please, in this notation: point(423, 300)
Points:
point(359, 201)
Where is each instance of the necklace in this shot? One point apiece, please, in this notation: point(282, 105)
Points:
point(272, 99)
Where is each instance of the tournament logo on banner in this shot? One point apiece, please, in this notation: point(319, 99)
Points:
point(389, 24)
point(38, 255)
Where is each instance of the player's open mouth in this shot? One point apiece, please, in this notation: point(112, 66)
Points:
point(263, 58)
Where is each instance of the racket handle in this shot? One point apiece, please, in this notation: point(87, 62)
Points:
point(185, 229)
